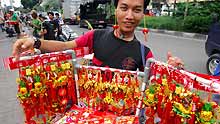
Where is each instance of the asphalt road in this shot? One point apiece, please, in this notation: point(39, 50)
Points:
point(190, 50)
point(10, 109)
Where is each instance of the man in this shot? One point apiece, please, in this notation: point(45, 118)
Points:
point(2, 23)
point(50, 27)
point(14, 17)
point(36, 24)
point(60, 22)
point(117, 48)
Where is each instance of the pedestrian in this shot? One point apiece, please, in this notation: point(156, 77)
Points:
point(50, 27)
point(2, 23)
point(15, 18)
point(118, 48)
point(60, 22)
point(35, 23)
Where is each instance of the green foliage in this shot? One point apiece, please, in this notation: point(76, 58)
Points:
point(198, 8)
point(52, 5)
point(29, 3)
point(162, 22)
point(196, 24)
point(207, 107)
point(198, 19)
point(38, 8)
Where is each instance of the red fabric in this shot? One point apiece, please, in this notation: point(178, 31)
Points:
point(86, 40)
point(96, 61)
point(149, 55)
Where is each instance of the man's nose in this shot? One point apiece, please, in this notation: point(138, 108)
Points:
point(129, 14)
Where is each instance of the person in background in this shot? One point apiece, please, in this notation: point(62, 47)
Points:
point(36, 24)
point(2, 23)
point(59, 19)
point(15, 18)
point(50, 27)
point(60, 22)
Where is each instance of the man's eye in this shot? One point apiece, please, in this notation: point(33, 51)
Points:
point(137, 10)
point(123, 8)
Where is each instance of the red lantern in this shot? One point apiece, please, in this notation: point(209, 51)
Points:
point(62, 92)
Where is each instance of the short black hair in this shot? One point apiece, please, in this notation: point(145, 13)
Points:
point(50, 13)
point(41, 16)
point(57, 14)
point(146, 3)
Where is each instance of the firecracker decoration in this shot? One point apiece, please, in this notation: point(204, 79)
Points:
point(110, 91)
point(45, 86)
point(79, 115)
point(171, 97)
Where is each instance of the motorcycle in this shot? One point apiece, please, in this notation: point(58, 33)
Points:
point(9, 28)
point(67, 34)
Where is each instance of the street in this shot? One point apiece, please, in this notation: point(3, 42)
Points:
point(191, 51)
point(10, 110)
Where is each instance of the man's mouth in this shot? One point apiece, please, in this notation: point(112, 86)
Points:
point(128, 23)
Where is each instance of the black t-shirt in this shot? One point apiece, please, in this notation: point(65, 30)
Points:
point(117, 53)
point(50, 26)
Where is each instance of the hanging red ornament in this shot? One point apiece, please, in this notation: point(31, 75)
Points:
point(199, 105)
point(62, 92)
point(195, 99)
point(172, 87)
point(22, 72)
point(214, 105)
point(47, 68)
point(115, 27)
point(145, 31)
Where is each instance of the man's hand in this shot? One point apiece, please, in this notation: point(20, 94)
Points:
point(174, 61)
point(22, 45)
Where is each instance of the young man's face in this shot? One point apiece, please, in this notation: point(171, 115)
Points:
point(129, 13)
point(50, 16)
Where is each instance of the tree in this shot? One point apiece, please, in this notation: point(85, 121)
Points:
point(52, 5)
point(29, 4)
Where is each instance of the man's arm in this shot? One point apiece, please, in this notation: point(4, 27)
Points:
point(52, 45)
point(25, 44)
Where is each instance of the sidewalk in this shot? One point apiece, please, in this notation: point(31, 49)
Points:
point(177, 33)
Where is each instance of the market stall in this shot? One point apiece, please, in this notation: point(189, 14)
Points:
point(55, 84)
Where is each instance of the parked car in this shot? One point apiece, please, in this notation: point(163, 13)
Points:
point(212, 47)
